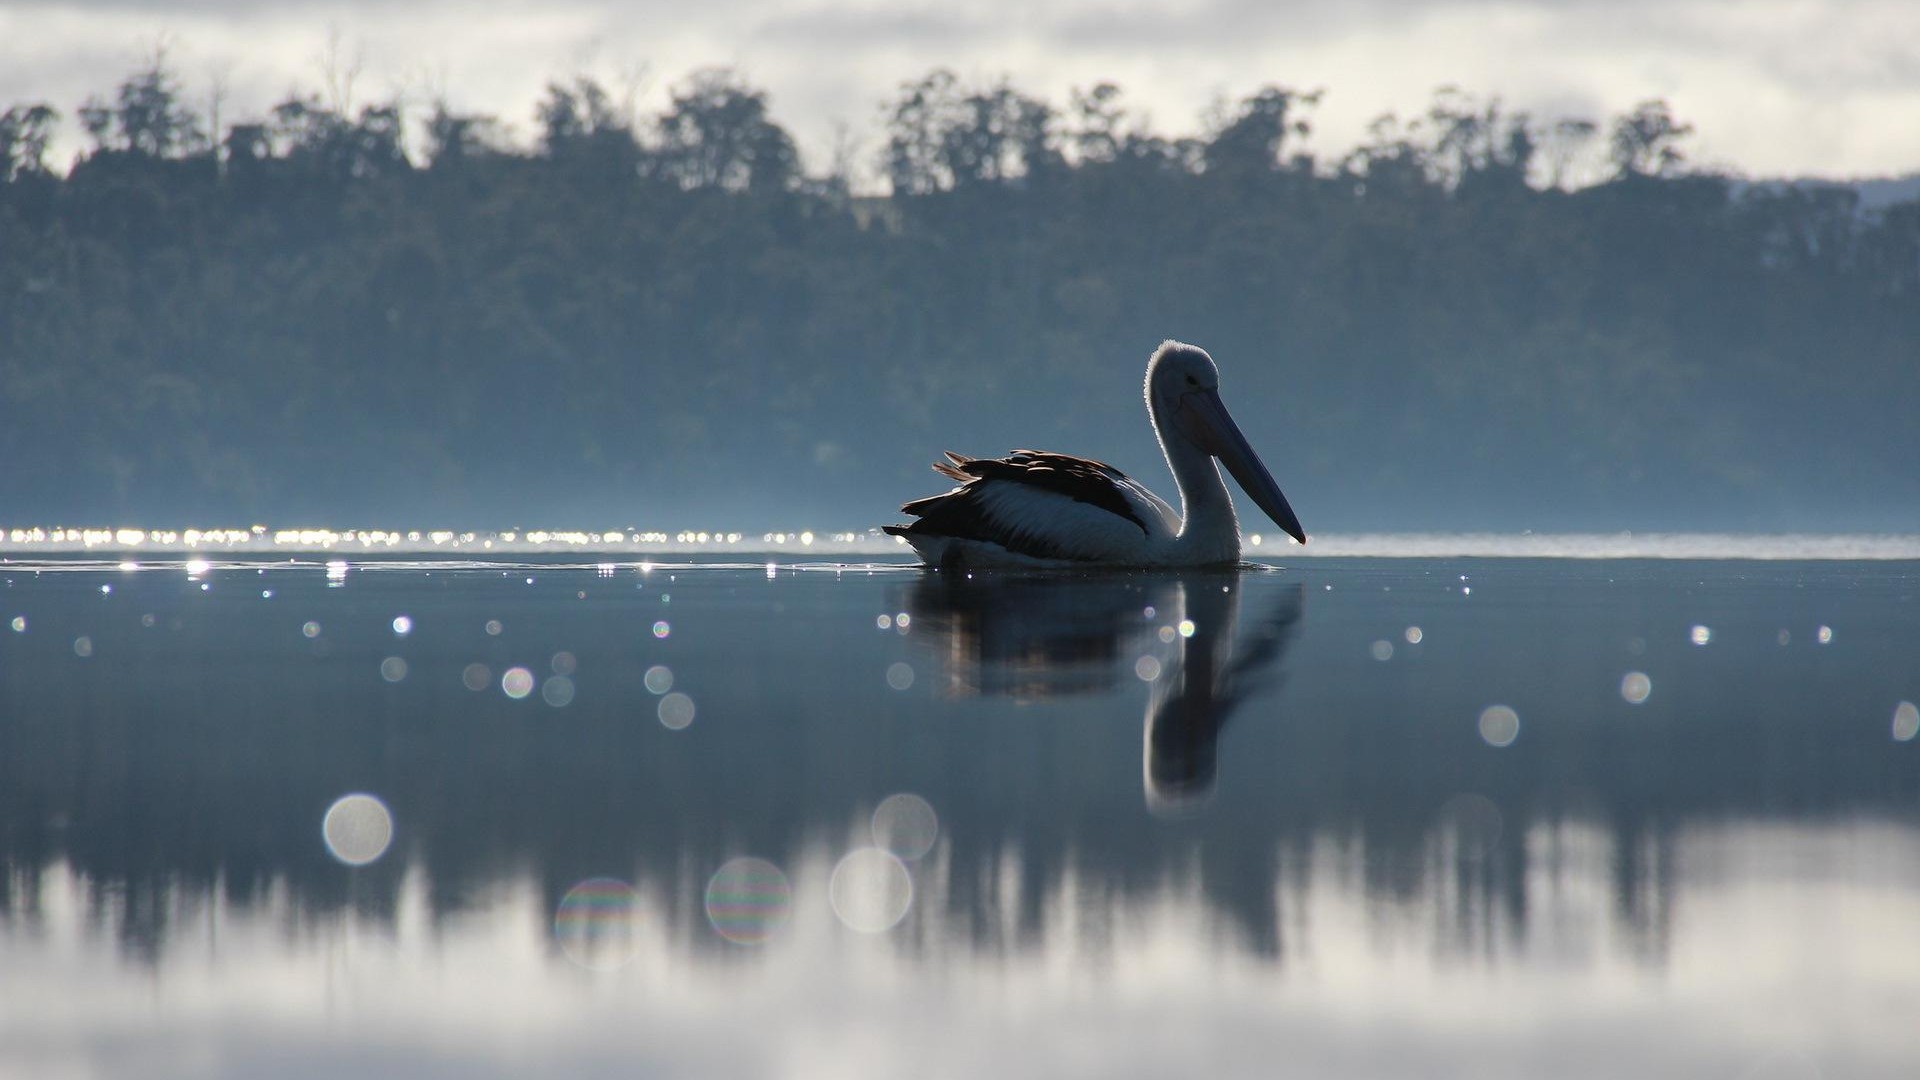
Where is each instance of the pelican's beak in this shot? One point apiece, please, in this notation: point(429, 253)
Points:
point(1206, 420)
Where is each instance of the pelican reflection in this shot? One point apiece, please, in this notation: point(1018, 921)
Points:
point(1036, 637)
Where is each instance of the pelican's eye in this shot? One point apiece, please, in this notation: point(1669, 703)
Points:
point(1191, 381)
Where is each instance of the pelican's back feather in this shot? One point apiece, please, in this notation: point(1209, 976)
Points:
point(1037, 504)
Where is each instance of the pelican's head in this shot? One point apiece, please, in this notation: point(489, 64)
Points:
point(1183, 395)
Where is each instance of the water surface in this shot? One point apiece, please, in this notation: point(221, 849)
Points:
point(1415, 816)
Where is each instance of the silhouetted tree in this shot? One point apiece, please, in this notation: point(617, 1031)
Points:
point(580, 126)
point(1645, 142)
point(455, 138)
point(1253, 139)
point(146, 118)
point(716, 134)
point(319, 142)
point(25, 131)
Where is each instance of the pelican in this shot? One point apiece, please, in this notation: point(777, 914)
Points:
point(1036, 509)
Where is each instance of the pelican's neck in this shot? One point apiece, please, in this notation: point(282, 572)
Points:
point(1209, 532)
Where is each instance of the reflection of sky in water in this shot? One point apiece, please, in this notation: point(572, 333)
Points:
point(228, 849)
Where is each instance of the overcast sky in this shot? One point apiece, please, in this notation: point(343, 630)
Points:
point(1774, 87)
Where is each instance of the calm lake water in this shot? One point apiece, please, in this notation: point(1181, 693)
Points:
point(1347, 817)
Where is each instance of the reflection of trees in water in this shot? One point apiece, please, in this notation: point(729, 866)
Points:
point(170, 776)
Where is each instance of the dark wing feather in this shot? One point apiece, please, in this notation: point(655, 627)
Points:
point(960, 512)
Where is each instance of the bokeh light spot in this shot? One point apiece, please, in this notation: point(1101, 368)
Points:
point(357, 829)
point(595, 924)
point(870, 890)
point(310, 629)
point(659, 679)
point(906, 825)
point(517, 682)
point(1635, 686)
point(1499, 725)
point(1381, 650)
point(883, 622)
point(19, 624)
point(1700, 635)
point(1147, 668)
point(899, 675)
point(476, 676)
point(557, 691)
point(393, 669)
point(1186, 628)
point(676, 711)
point(661, 629)
point(748, 900)
point(1415, 635)
point(494, 628)
point(564, 663)
point(402, 626)
point(1824, 635)
point(1906, 721)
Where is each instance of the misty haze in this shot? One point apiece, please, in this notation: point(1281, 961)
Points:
point(473, 600)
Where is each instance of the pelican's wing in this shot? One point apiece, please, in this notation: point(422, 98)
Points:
point(1047, 506)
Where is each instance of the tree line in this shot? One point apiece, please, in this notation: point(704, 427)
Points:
point(1475, 319)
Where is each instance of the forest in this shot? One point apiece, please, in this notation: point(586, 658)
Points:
point(400, 314)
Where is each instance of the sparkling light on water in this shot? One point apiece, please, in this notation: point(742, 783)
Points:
point(870, 890)
point(596, 924)
point(749, 900)
point(1906, 721)
point(1499, 725)
point(899, 675)
point(517, 682)
point(905, 825)
point(676, 711)
point(357, 829)
point(1635, 686)
point(659, 679)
